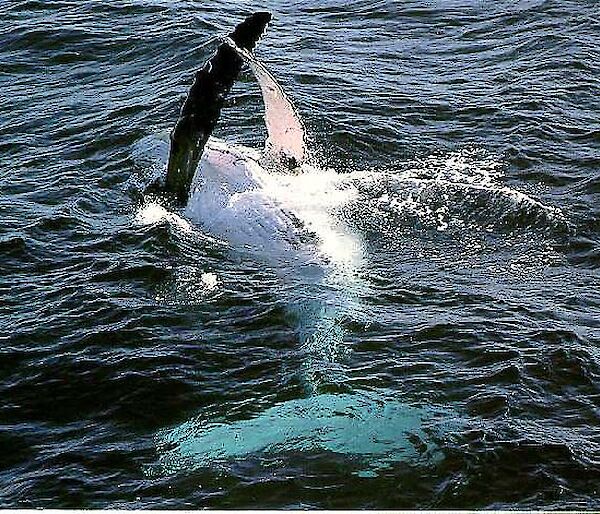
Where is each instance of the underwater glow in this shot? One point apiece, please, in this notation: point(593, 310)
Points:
point(369, 426)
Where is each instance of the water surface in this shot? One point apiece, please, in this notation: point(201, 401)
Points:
point(144, 363)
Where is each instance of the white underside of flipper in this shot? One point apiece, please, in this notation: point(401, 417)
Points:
point(286, 139)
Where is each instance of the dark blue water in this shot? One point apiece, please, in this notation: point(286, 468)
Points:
point(143, 365)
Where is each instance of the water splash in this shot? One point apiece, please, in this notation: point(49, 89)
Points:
point(459, 191)
point(152, 213)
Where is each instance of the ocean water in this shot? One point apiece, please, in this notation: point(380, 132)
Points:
point(433, 340)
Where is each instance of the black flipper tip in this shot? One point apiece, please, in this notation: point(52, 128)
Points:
point(245, 34)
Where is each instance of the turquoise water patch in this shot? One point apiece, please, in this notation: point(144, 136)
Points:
point(374, 428)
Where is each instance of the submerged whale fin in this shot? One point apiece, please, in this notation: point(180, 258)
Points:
point(201, 109)
point(286, 141)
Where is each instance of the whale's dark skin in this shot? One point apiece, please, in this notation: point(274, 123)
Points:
point(202, 107)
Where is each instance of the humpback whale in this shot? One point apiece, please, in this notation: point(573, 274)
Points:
point(249, 199)
point(307, 223)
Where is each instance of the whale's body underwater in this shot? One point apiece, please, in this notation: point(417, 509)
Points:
point(280, 209)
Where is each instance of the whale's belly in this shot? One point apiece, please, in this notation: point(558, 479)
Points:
point(232, 201)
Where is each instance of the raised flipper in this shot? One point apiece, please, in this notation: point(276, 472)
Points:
point(286, 142)
point(202, 107)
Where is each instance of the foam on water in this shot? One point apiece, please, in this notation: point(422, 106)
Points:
point(459, 191)
point(151, 213)
point(210, 280)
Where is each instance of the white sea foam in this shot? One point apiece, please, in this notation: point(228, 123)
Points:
point(151, 213)
point(210, 280)
point(462, 190)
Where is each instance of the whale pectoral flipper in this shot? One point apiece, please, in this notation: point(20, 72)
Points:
point(202, 107)
point(286, 141)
